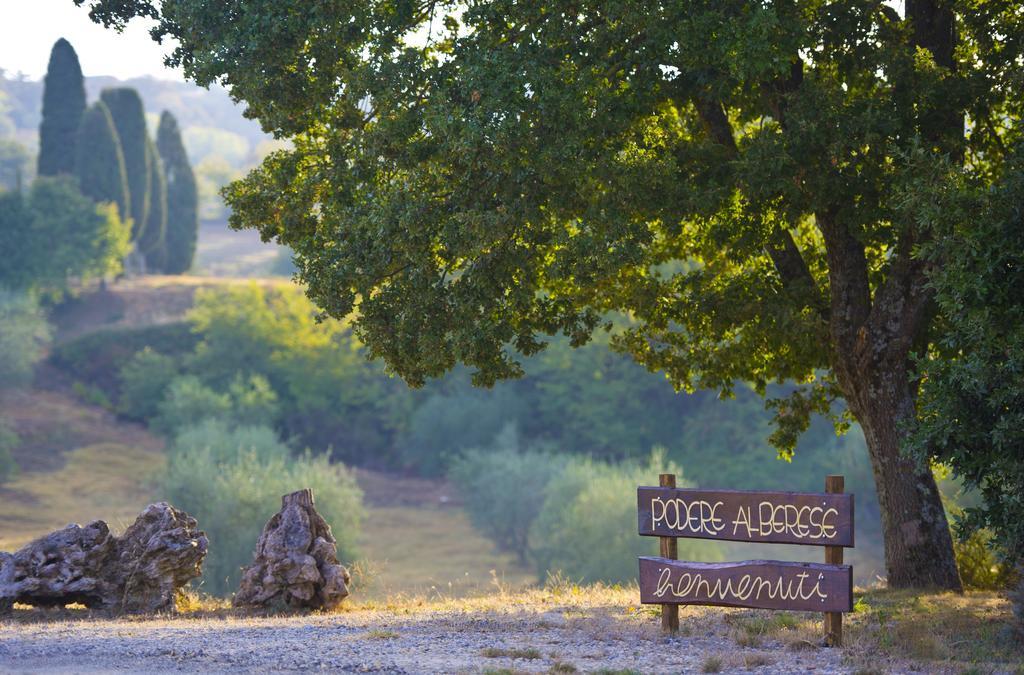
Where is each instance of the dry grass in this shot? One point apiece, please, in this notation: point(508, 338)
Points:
point(105, 481)
point(528, 653)
point(432, 550)
point(954, 632)
point(712, 664)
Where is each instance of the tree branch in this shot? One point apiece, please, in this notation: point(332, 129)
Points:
point(783, 251)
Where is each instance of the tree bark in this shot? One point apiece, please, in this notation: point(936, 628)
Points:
point(871, 340)
point(918, 544)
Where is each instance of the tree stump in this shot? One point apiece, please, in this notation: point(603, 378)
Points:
point(296, 560)
point(140, 571)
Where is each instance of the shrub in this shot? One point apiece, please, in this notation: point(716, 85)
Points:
point(24, 334)
point(8, 442)
point(98, 358)
point(226, 444)
point(253, 401)
point(504, 491)
point(189, 402)
point(587, 527)
point(232, 484)
point(978, 561)
point(144, 382)
point(450, 422)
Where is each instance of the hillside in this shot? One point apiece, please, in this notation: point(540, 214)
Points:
point(79, 461)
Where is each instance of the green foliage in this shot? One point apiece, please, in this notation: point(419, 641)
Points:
point(100, 356)
point(564, 514)
point(130, 121)
point(16, 237)
point(225, 443)
point(82, 240)
point(504, 490)
point(15, 165)
point(92, 395)
point(9, 441)
point(56, 235)
point(24, 337)
point(457, 418)
point(329, 393)
point(247, 401)
point(144, 382)
point(979, 565)
point(182, 197)
point(188, 401)
point(63, 106)
point(971, 412)
point(99, 162)
point(74, 238)
point(232, 482)
point(587, 527)
point(152, 241)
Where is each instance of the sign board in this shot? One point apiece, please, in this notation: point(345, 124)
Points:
point(808, 518)
point(762, 584)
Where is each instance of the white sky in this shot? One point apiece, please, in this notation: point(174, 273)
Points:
point(28, 29)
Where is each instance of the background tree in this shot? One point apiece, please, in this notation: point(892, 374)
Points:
point(56, 234)
point(182, 197)
point(63, 105)
point(15, 241)
point(732, 175)
point(99, 162)
point(152, 241)
point(129, 118)
point(15, 162)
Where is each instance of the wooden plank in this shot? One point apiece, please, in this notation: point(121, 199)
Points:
point(808, 518)
point(834, 556)
point(670, 550)
point(764, 584)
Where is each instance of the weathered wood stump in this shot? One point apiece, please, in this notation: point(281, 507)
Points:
point(140, 571)
point(296, 560)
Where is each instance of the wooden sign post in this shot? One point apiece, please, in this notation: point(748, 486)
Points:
point(834, 556)
point(805, 518)
point(669, 550)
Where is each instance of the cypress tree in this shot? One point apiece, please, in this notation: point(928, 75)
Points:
point(63, 106)
point(182, 197)
point(151, 241)
point(99, 162)
point(130, 121)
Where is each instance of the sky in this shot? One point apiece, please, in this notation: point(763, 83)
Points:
point(28, 29)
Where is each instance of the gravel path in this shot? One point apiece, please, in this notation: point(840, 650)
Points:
point(399, 640)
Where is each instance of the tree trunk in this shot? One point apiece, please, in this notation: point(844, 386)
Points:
point(918, 544)
point(871, 342)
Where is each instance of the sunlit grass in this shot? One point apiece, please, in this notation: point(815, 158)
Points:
point(105, 481)
point(430, 551)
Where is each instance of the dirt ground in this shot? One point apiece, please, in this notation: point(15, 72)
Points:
point(556, 636)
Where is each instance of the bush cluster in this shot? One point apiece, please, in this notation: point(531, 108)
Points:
point(231, 480)
point(24, 336)
point(571, 516)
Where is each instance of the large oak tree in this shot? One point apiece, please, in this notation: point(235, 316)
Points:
point(738, 177)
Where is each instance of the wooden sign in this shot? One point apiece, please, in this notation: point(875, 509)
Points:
point(808, 518)
point(762, 584)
